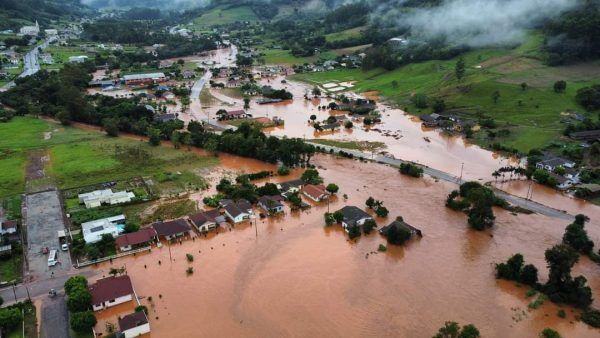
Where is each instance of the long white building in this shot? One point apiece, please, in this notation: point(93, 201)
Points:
point(107, 196)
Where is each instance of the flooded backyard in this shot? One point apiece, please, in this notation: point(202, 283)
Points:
point(291, 276)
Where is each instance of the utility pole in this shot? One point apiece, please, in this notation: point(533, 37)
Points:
point(462, 166)
point(14, 292)
point(169, 245)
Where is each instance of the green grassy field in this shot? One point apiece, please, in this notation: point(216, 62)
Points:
point(61, 54)
point(532, 115)
point(345, 34)
point(284, 57)
point(79, 157)
point(222, 15)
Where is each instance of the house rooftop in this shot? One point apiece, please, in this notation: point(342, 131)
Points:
point(271, 201)
point(135, 238)
point(315, 191)
point(399, 223)
point(133, 320)
point(233, 210)
point(9, 225)
point(353, 214)
point(287, 185)
point(171, 228)
point(110, 288)
point(143, 76)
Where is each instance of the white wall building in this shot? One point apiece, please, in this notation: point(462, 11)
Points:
point(107, 196)
point(30, 30)
point(93, 230)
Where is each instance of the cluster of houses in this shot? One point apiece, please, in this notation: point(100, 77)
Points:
point(115, 290)
point(561, 169)
point(435, 120)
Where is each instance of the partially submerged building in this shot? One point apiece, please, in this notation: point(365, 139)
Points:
point(271, 204)
point(316, 193)
point(353, 216)
point(398, 225)
point(134, 325)
point(172, 229)
point(143, 237)
point(111, 291)
point(207, 220)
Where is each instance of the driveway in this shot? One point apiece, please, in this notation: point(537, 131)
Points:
point(43, 219)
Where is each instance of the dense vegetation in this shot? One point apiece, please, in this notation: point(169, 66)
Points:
point(13, 12)
point(477, 201)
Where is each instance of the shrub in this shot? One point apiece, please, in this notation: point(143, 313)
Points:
point(79, 299)
point(83, 321)
point(332, 188)
point(591, 317)
point(10, 318)
point(283, 170)
point(189, 257)
point(382, 248)
point(549, 333)
point(338, 216)
point(189, 270)
point(561, 313)
point(382, 211)
point(369, 225)
point(329, 220)
point(141, 308)
point(410, 169)
point(353, 231)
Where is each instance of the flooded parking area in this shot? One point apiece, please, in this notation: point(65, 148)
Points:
point(292, 276)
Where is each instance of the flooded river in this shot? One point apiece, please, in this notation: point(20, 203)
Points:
point(299, 278)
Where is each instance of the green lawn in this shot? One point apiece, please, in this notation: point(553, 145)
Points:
point(532, 115)
point(79, 157)
point(284, 57)
point(345, 34)
point(222, 15)
point(10, 267)
point(354, 145)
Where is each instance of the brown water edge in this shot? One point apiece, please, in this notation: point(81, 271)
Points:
point(299, 278)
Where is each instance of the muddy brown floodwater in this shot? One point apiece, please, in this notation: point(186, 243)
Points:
point(299, 278)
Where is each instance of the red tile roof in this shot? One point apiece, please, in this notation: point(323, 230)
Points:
point(110, 288)
point(132, 320)
point(9, 224)
point(135, 238)
point(316, 191)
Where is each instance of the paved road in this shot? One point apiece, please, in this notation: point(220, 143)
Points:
point(43, 218)
point(514, 200)
point(30, 62)
point(54, 317)
point(196, 107)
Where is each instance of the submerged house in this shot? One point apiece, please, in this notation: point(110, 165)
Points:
point(132, 240)
point(353, 216)
point(271, 204)
point(238, 211)
point(396, 229)
point(111, 291)
point(172, 229)
point(134, 325)
point(316, 193)
point(207, 220)
point(290, 187)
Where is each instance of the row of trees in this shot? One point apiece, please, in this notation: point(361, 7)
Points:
point(561, 287)
point(79, 302)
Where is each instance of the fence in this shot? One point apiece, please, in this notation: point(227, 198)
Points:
point(104, 259)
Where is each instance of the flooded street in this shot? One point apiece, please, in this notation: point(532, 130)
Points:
point(299, 278)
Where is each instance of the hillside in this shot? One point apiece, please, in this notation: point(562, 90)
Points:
point(534, 116)
point(15, 13)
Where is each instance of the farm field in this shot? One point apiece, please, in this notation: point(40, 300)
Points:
point(284, 57)
point(222, 15)
point(79, 157)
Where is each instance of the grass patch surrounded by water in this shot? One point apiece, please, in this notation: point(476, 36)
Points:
point(353, 145)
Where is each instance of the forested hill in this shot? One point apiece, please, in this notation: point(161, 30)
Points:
point(15, 13)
